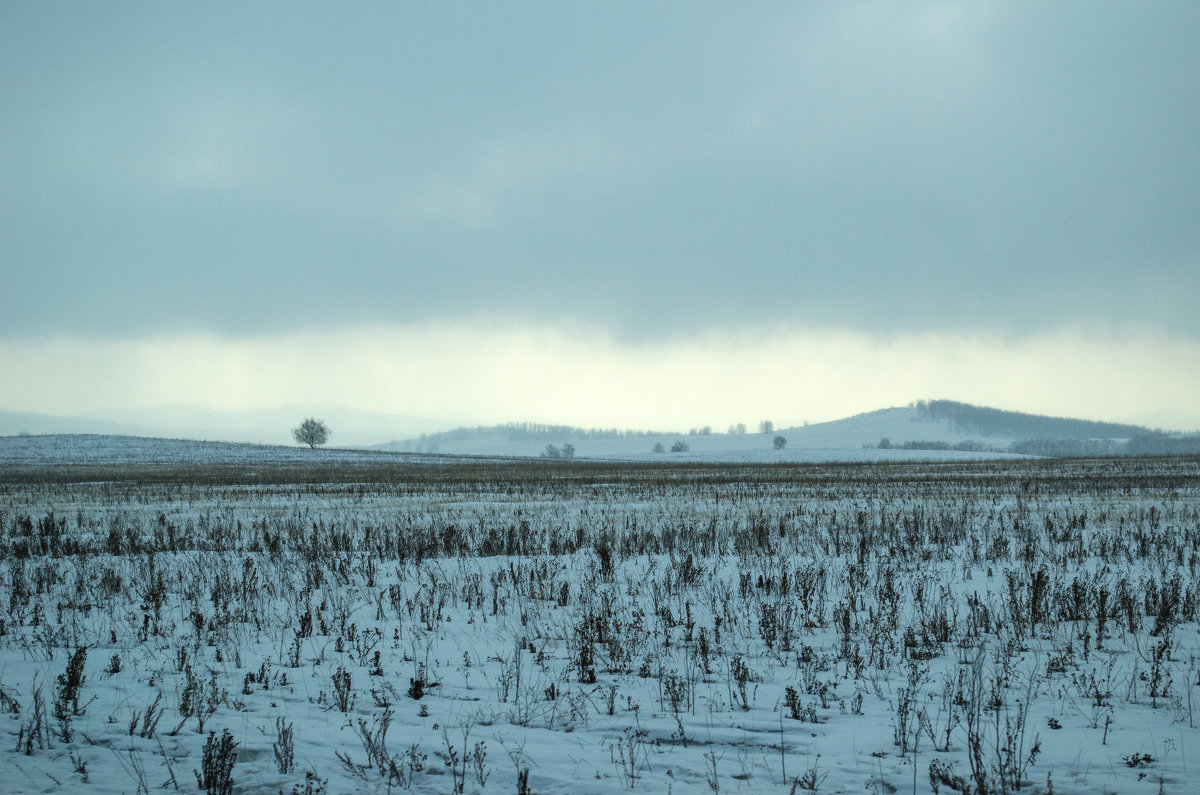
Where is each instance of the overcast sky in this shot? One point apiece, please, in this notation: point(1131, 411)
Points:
point(984, 195)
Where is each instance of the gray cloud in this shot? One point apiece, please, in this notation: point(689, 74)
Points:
point(252, 168)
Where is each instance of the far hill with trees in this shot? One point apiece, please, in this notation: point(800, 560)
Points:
point(926, 425)
point(1056, 437)
point(983, 421)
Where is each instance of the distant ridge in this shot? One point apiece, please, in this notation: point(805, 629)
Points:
point(923, 430)
point(531, 431)
point(946, 428)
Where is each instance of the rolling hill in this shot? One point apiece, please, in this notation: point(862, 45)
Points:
point(924, 430)
point(940, 429)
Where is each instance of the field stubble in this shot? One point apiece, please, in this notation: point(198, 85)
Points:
point(986, 627)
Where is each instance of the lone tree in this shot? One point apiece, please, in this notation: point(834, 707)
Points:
point(311, 432)
point(780, 442)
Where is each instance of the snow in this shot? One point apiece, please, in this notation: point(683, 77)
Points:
point(262, 426)
point(236, 570)
point(68, 450)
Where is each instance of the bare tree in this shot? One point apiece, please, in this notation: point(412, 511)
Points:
point(780, 442)
point(311, 432)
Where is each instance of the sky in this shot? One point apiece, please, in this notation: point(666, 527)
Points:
point(601, 214)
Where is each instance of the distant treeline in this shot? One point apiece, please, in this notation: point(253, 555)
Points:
point(1055, 437)
point(966, 446)
point(536, 432)
point(1148, 445)
point(982, 421)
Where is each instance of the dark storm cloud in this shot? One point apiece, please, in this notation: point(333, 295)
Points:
point(238, 168)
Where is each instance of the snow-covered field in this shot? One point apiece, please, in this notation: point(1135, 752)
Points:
point(524, 628)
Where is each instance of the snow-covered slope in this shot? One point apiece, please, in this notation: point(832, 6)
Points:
point(897, 425)
point(98, 450)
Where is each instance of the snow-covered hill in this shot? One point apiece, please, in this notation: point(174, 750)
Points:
point(936, 430)
point(896, 425)
point(858, 438)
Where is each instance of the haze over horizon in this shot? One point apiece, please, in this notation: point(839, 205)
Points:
point(621, 215)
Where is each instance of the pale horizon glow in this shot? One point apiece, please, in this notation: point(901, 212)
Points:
point(488, 374)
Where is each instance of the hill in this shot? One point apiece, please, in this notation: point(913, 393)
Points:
point(936, 429)
point(925, 430)
point(852, 439)
point(992, 423)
